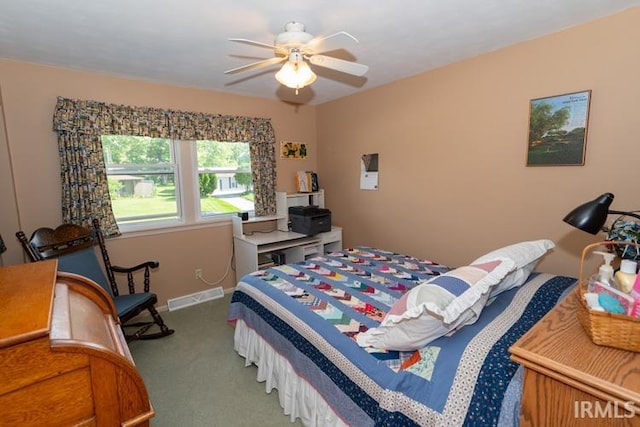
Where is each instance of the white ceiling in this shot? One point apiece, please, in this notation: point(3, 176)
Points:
point(184, 42)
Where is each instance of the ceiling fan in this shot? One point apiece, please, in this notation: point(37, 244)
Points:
point(295, 47)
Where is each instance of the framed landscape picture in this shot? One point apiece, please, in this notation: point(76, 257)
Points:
point(558, 129)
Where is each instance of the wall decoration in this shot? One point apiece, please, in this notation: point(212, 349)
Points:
point(369, 172)
point(293, 150)
point(558, 130)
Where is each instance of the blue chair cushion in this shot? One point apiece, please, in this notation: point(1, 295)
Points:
point(85, 263)
point(127, 303)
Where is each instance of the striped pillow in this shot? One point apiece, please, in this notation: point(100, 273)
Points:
point(452, 294)
point(525, 255)
point(437, 306)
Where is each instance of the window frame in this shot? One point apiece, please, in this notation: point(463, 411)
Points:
point(187, 194)
point(196, 184)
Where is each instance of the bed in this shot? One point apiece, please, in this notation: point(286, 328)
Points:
point(302, 325)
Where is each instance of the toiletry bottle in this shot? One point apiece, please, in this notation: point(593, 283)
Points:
point(603, 284)
point(626, 276)
point(605, 272)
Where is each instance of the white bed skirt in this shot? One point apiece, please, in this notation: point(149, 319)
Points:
point(297, 397)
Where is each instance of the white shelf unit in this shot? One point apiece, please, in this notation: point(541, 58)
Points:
point(270, 234)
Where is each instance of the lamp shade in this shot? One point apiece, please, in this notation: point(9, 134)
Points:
point(296, 75)
point(591, 216)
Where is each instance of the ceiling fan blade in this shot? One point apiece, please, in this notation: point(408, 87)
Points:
point(256, 65)
point(253, 43)
point(316, 45)
point(339, 65)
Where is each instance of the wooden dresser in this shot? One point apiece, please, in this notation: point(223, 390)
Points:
point(63, 358)
point(569, 381)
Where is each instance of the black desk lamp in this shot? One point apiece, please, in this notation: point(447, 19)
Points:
point(591, 216)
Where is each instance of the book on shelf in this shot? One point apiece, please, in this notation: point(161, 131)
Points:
point(265, 261)
point(279, 258)
point(306, 181)
point(314, 182)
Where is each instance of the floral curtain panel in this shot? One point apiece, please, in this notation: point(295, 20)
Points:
point(80, 125)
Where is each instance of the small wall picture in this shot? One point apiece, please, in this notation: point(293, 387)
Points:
point(369, 171)
point(558, 130)
point(293, 150)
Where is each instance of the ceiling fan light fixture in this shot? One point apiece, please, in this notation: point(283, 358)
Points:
point(296, 75)
point(297, 49)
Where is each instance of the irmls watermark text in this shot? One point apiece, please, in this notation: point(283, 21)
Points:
point(599, 409)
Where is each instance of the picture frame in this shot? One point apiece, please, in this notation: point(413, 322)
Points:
point(369, 171)
point(558, 129)
point(293, 150)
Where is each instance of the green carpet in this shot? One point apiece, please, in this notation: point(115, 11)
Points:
point(195, 378)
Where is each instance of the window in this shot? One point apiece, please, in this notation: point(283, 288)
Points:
point(224, 177)
point(143, 183)
point(145, 186)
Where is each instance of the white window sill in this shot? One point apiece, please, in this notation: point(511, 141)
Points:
point(164, 227)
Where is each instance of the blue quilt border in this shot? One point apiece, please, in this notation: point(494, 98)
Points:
point(498, 368)
point(370, 406)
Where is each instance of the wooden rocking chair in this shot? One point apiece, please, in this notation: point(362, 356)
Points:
point(74, 247)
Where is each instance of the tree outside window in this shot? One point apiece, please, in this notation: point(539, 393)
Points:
point(144, 186)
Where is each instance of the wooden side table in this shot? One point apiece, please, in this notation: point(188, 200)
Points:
point(569, 381)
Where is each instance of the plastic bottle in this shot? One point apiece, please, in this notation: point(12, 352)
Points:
point(626, 276)
point(603, 284)
point(605, 272)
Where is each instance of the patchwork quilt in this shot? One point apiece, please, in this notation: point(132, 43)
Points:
point(311, 312)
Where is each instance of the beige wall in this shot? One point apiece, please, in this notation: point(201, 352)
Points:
point(452, 144)
point(29, 96)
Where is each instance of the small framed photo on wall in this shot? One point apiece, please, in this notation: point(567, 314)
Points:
point(558, 129)
point(369, 171)
point(293, 150)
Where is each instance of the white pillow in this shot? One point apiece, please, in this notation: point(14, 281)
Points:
point(437, 307)
point(525, 255)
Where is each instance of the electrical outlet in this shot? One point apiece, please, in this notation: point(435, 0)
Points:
point(198, 273)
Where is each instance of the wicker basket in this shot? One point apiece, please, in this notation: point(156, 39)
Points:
point(608, 329)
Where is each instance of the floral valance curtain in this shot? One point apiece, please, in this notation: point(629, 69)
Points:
point(80, 125)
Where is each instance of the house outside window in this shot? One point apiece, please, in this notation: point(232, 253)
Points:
point(224, 177)
point(149, 180)
point(143, 179)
